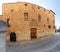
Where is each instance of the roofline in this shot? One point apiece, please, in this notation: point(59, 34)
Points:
point(52, 11)
point(28, 3)
point(25, 2)
point(32, 4)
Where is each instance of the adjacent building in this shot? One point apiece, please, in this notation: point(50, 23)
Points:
point(3, 29)
point(27, 21)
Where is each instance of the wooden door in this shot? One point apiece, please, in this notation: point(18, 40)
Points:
point(33, 33)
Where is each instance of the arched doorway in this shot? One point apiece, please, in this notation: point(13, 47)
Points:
point(12, 37)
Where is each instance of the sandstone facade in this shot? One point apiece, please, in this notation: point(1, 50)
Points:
point(27, 21)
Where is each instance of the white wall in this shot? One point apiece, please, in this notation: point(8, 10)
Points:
point(2, 42)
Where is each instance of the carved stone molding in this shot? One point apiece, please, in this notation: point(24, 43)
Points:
point(33, 22)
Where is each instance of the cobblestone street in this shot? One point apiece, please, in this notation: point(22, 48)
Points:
point(51, 44)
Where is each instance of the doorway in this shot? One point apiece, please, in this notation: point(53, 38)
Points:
point(33, 32)
point(12, 37)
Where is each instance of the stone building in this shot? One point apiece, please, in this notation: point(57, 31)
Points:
point(27, 21)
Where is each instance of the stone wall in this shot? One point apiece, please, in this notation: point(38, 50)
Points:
point(21, 26)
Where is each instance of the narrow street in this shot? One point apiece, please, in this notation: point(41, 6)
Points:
point(51, 44)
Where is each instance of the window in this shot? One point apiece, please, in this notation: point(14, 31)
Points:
point(39, 17)
point(49, 26)
point(8, 22)
point(25, 4)
point(26, 16)
point(48, 20)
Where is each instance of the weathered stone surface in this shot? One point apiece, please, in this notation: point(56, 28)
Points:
point(15, 12)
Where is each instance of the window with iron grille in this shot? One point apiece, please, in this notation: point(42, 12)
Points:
point(25, 16)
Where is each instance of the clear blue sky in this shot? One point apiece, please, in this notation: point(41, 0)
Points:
point(48, 4)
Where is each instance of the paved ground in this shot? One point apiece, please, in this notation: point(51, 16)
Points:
point(51, 44)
